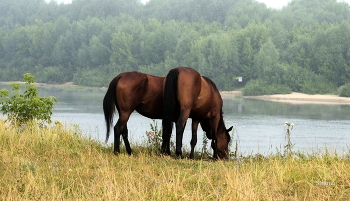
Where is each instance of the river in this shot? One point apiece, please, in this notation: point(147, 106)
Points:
point(258, 125)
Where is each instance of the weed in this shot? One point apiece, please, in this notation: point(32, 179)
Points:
point(154, 137)
point(288, 147)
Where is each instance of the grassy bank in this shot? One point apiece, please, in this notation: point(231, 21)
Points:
point(56, 163)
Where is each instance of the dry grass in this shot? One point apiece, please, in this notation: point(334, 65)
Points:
point(56, 164)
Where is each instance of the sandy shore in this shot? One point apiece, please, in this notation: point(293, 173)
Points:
point(293, 98)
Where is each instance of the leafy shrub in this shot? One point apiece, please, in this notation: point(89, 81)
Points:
point(91, 78)
point(294, 76)
point(317, 85)
point(23, 108)
point(51, 74)
point(344, 91)
point(154, 137)
point(262, 87)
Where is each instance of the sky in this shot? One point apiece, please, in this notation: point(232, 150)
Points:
point(269, 3)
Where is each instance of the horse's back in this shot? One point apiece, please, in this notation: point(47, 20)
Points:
point(131, 87)
point(131, 79)
point(198, 93)
point(188, 86)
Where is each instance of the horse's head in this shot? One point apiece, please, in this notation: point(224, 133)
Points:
point(223, 140)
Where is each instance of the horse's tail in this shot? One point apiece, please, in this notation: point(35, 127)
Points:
point(169, 103)
point(109, 104)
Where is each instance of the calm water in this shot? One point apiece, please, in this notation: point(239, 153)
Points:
point(258, 124)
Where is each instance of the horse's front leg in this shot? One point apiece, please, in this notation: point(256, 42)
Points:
point(214, 142)
point(194, 137)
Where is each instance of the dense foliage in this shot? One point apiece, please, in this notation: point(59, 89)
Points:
point(22, 108)
point(303, 47)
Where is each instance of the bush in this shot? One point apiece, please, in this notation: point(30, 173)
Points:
point(91, 78)
point(317, 85)
point(23, 108)
point(344, 91)
point(154, 138)
point(262, 87)
point(51, 74)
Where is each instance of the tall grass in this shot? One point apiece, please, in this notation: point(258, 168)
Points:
point(57, 163)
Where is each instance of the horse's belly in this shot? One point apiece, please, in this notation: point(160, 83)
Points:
point(199, 113)
point(150, 112)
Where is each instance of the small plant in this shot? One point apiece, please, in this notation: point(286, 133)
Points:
point(22, 108)
point(205, 152)
point(234, 153)
point(288, 147)
point(154, 137)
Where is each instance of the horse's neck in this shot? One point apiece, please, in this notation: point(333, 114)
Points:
point(221, 126)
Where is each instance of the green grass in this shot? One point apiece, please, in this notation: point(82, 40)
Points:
point(57, 164)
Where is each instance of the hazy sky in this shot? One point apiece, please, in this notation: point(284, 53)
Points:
point(269, 3)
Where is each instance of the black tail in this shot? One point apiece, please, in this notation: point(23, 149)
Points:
point(109, 104)
point(169, 104)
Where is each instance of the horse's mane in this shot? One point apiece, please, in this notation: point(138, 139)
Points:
point(211, 82)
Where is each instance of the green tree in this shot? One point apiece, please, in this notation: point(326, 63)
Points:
point(99, 53)
point(65, 54)
point(266, 61)
point(216, 56)
point(121, 53)
point(249, 42)
point(24, 108)
point(331, 53)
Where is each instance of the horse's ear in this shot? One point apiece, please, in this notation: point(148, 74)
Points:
point(228, 130)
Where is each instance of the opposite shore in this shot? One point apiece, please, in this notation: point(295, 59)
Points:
point(293, 98)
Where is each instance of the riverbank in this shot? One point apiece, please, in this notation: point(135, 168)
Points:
point(293, 98)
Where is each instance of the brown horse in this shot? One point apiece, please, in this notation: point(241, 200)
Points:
point(131, 91)
point(127, 92)
point(187, 94)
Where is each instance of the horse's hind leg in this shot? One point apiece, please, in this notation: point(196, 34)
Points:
point(165, 149)
point(117, 133)
point(194, 137)
point(126, 140)
point(180, 127)
point(121, 129)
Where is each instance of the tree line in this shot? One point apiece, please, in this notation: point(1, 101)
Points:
point(303, 47)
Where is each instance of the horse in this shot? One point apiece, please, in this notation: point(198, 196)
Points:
point(187, 94)
point(127, 92)
point(130, 91)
